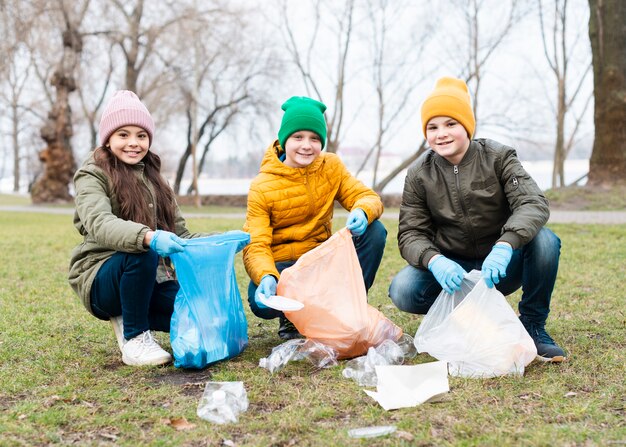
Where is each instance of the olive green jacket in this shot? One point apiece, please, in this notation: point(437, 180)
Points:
point(104, 233)
point(463, 210)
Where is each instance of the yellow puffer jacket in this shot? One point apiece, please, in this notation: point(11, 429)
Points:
point(290, 210)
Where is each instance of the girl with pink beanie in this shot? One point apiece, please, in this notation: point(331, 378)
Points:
point(130, 223)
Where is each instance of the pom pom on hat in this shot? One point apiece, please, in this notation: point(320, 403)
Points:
point(450, 98)
point(124, 109)
point(302, 113)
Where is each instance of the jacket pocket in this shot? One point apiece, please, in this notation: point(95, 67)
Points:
point(485, 184)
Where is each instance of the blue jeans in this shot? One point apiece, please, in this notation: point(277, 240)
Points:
point(533, 267)
point(369, 249)
point(126, 285)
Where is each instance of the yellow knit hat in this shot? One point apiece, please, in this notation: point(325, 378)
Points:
point(450, 98)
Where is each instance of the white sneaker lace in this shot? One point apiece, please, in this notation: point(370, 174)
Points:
point(148, 343)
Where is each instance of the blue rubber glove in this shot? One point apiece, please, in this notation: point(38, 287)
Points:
point(166, 243)
point(357, 222)
point(448, 273)
point(267, 287)
point(495, 264)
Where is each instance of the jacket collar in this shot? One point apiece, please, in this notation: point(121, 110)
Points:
point(472, 150)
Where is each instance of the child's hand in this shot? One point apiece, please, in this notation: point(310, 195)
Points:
point(448, 273)
point(357, 222)
point(495, 264)
point(267, 287)
point(166, 243)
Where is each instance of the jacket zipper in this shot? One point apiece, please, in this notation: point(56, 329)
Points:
point(311, 207)
point(309, 193)
point(465, 213)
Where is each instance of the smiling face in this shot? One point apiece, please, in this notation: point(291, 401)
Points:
point(448, 138)
point(129, 144)
point(302, 148)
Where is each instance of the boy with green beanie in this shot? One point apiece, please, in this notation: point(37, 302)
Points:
point(469, 204)
point(290, 206)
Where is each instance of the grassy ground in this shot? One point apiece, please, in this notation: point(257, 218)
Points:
point(587, 198)
point(63, 381)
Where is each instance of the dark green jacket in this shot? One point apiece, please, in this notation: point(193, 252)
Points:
point(104, 233)
point(463, 210)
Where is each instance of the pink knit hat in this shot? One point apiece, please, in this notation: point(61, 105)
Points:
point(124, 109)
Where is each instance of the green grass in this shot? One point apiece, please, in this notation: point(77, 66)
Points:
point(63, 381)
point(587, 198)
point(14, 199)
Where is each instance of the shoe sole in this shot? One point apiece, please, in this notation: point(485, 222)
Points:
point(118, 330)
point(555, 359)
point(154, 362)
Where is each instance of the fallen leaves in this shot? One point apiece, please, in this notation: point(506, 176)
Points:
point(405, 435)
point(179, 424)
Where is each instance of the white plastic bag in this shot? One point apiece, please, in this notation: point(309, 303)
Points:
point(476, 331)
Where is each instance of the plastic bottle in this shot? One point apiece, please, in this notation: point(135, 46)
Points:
point(363, 369)
point(223, 404)
point(281, 355)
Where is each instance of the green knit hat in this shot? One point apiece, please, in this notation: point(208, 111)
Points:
point(302, 113)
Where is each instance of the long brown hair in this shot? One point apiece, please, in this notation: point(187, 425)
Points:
point(130, 192)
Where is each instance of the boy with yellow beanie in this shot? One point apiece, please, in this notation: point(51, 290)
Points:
point(291, 202)
point(469, 204)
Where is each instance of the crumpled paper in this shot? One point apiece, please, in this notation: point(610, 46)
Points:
point(402, 386)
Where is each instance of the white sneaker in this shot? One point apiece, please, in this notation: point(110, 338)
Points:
point(118, 329)
point(144, 350)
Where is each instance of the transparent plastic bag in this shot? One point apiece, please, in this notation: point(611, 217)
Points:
point(222, 402)
point(329, 282)
point(208, 323)
point(299, 349)
point(363, 369)
point(476, 331)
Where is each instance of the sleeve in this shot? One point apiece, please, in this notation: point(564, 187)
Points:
point(258, 258)
point(416, 231)
point(93, 207)
point(352, 193)
point(529, 207)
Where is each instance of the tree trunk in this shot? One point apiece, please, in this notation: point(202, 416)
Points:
point(405, 164)
point(57, 157)
point(16, 148)
point(559, 147)
point(607, 33)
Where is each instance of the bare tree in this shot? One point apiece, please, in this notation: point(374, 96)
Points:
point(13, 50)
point(480, 47)
point(57, 157)
point(559, 55)
point(607, 34)
point(394, 74)
point(225, 78)
point(93, 85)
point(145, 30)
point(306, 57)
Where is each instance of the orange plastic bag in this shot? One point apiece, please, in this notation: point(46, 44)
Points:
point(329, 282)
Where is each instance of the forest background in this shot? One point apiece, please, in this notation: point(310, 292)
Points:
point(214, 73)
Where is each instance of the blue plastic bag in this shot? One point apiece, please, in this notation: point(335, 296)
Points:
point(208, 323)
